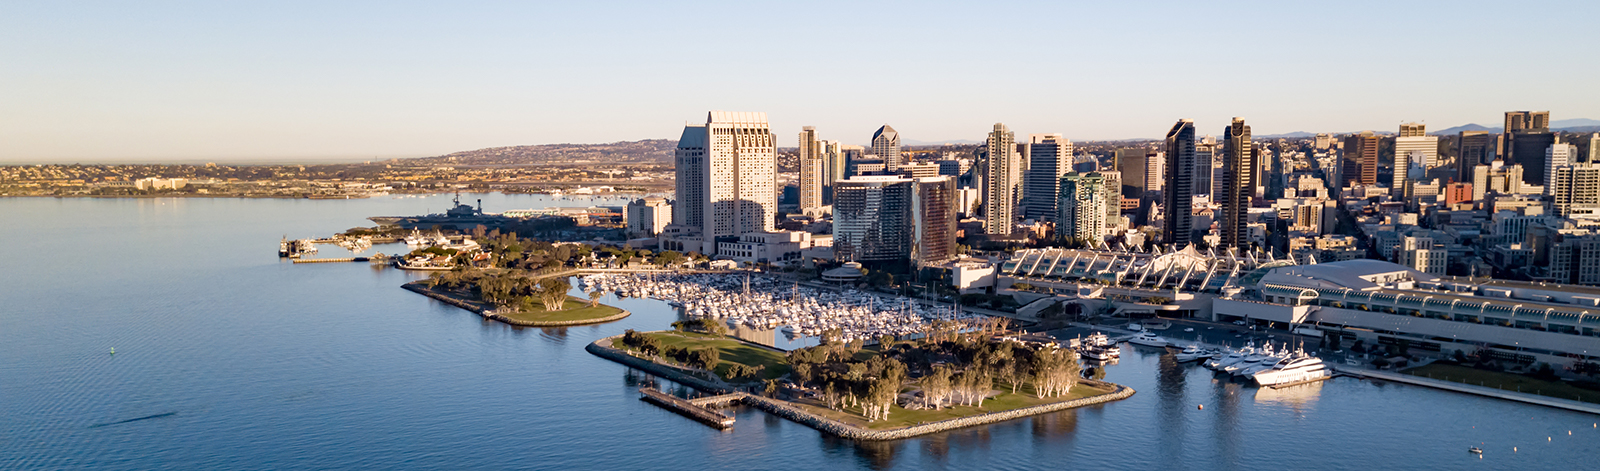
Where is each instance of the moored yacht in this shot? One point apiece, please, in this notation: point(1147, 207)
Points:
point(1148, 339)
point(1296, 369)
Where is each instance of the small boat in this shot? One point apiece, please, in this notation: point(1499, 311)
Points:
point(1475, 450)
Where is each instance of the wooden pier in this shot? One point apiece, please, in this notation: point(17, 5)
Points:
point(687, 408)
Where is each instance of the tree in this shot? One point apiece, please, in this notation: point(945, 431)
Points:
point(594, 298)
point(553, 292)
point(707, 358)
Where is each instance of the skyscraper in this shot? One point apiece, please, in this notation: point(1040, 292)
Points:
point(1414, 138)
point(1001, 181)
point(833, 167)
point(1083, 207)
point(812, 167)
point(886, 145)
point(1131, 162)
point(872, 218)
point(1361, 159)
point(1155, 163)
point(1473, 150)
point(934, 220)
point(1237, 188)
point(1594, 148)
point(1050, 158)
point(1524, 143)
point(1178, 192)
point(1558, 155)
point(1113, 200)
point(727, 176)
point(1527, 120)
point(1204, 152)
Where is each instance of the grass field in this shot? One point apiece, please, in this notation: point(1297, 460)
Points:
point(900, 417)
point(573, 310)
point(729, 351)
point(1504, 381)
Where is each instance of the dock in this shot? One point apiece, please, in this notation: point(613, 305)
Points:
point(687, 408)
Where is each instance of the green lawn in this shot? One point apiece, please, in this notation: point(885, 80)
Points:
point(1504, 381)
point(729, 350)
point(900, 417)
point(572, 310)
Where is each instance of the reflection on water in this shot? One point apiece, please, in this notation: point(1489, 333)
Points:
point(1295, 396)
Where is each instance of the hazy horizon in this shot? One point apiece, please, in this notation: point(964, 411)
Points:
point(112, 82)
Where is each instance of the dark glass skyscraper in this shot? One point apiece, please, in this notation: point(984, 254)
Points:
point(1238, 161)
point(1473, 150)
point(1178, 189)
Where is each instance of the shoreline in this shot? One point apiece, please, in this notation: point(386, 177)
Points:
point(416, 287)
point(841, 429)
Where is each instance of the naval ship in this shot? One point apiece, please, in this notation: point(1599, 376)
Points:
point(461, 217)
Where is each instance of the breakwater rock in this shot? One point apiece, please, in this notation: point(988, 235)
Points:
point(603, 349)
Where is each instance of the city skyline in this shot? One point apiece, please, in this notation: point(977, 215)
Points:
point(154, 83)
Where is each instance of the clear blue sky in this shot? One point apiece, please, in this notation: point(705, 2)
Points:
point(116, 81)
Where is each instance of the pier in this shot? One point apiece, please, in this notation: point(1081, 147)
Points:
point(689, 408)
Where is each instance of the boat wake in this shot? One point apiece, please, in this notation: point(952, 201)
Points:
point(135, 419)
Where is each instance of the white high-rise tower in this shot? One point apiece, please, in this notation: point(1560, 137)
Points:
point(1001, 181)
point(727, 176)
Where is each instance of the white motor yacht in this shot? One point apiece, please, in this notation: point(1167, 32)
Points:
point(1149, 340)
point(1192, 353)
point(1296, 369)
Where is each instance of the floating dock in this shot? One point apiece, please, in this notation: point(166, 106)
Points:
point(687, 408)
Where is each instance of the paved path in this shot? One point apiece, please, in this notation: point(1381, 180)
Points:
point(1470, 389)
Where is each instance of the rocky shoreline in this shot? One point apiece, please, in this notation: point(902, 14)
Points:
point(417, 287)
point(841, 429)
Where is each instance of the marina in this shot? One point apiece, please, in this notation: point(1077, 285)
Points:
point(757, 302)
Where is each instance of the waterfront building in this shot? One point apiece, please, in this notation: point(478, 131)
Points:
point(1178, 196)
point(886, 145)
point(1237, 188)
point(727, 177)
point(779, 248)
point(1370, 300)
point(1082, 205)
point(872, 218)
point(812, 169)
point(1000, 181)
point(1049, 158)
point(1473, 150)
point(647, 217)
point(934, 220)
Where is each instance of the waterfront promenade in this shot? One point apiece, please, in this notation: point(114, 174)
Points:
point(1470, 389)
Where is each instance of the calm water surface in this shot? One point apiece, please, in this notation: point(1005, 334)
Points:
point(228, 358)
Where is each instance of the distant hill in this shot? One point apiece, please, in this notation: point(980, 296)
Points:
point(1290, 135)
point(1465, 127)
point(1568, 125)
point(654, 151)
